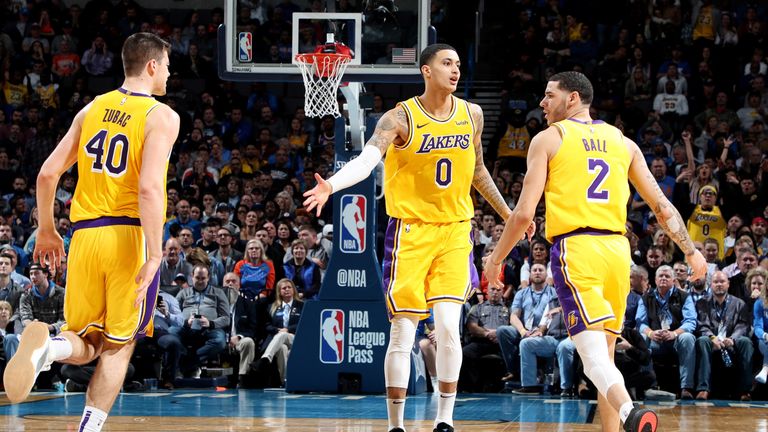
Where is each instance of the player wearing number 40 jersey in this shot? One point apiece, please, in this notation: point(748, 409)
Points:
point(434, 157)
point(583, 167)
point(121, 142)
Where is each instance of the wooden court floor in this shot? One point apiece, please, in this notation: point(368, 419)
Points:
point(276, 411)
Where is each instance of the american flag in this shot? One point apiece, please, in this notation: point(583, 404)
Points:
point(403, 55)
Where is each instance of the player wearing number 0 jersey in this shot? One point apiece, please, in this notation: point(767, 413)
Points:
point(427, 180)
point(121, 142)
point(433, 157)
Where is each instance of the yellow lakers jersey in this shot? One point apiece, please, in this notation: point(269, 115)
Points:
point(704, 224)
point(109, 156)
point(429, 177)
point(588, 181)
point(515, 142)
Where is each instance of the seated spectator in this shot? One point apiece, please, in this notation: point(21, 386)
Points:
point(723, 325)
point(10, 328)
point(284, 314)
point(483, 322)
point(97, 59)
point(256, 272)
point(633, 358)
point(527, 309)
point(668, 322)
point(304, 273)
point(548, 340)
point(760, 323)
point(43, 302)
point(198, 256)
point(182, 220)
point(247, 331)
point(539, 255)
point(205, 309)
point(10, 290)
point(9, 250)
point(225, 253)
point(168, 315)
point(173, 265)
point(638, 284)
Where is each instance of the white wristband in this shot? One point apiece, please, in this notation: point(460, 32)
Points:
point(356, 170)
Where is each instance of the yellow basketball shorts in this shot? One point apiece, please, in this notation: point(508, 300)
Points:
point(591, 273)
point(425, 263)
point(104, 257)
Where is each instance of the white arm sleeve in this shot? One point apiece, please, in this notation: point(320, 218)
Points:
point(357, 169)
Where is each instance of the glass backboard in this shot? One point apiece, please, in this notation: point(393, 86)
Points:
point(260, 39)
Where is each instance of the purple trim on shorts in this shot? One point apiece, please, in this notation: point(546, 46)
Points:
point(390, 260)
point(587, 231)
point(574, 321)
point(105, 221)
point(586, 122)
point(130, 93)
point(86, 417)
point(148, 307)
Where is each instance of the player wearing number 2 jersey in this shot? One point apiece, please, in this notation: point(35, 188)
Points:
point(434, 156)
point(583, 167)
point(121, 142)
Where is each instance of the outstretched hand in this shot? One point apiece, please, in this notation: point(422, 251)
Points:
point(318, 195)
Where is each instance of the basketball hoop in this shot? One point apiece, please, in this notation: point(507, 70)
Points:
point(322, 71)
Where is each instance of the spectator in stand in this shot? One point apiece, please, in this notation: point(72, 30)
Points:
point(668, 325)
point(304, 273)
point(10, 329)
point(527, 310)
point(723, 325)
point(228, 256)
point(720, 110)
point(247, 331)
point(671, 106)
point(237, 130)
point(268, 120)
point(173, 265)
point(483, 322)
point(206, 319)
point(754, 111)
point(168, 315)
point(97, 60)
point(66, 64)
point(760, 323)
point(256, 272)
point(43, 302)
point(182, 220)
point(539, 255)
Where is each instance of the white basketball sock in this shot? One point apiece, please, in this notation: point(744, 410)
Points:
point(445, 408)
point(395, 412)
point(92, 420)
point(60, 348)
point(625, 410)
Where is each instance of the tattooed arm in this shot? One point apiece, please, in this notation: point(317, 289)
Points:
point(669, 218)
point(392, 127)
point(482, 180)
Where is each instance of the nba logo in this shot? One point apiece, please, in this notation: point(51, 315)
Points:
point(245, 47)
point(353, 223)
point(331, 336)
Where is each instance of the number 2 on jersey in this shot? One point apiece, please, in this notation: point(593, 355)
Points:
point(95, 149)
point(600, 169)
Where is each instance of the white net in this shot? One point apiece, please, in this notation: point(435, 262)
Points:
point(322, 74)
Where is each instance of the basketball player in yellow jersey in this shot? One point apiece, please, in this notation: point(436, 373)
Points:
point(121, 142)
point(434, 156)
point(583, 166)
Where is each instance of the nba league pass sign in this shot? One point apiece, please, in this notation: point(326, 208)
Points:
point(353, 224)
point(347, 340)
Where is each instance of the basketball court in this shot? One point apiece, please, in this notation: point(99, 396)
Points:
point(278, 411)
